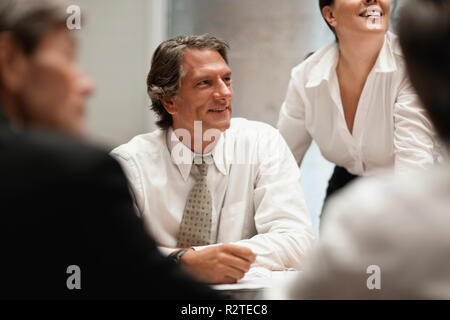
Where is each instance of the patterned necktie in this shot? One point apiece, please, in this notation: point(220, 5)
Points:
point(195, 228)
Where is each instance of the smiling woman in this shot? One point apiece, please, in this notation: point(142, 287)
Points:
point(354, 99)
point(344, 16)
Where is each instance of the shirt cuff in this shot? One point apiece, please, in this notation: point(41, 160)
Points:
point(166, 251)
point(198, 248)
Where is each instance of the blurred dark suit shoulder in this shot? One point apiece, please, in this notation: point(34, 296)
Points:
point(66, 203)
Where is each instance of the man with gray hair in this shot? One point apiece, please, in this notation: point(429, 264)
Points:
point(68, 228)
point(218, 194)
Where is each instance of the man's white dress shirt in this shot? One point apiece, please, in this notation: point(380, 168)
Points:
point(255, 187)
point(391, 128)
point(392, 228)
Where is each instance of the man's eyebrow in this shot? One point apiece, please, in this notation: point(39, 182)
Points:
point(227, 73)
point(207, 75)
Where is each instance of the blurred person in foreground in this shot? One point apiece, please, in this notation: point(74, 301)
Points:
point(68, 226)
point(388, 238)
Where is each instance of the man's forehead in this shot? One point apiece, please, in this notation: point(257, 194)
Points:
point(60, 35)
point(203, 60)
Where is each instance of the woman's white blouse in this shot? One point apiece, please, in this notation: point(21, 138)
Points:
point(391, 127)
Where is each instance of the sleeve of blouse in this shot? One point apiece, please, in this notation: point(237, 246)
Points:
point(415, 144)
point(291, 122)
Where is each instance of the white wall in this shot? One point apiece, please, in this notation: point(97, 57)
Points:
point(115, 39)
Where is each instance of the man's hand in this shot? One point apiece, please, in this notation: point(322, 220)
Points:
point(225, 263)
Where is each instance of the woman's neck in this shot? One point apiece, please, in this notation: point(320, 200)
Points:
point(358, 57)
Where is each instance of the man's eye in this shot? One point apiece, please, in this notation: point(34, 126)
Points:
point(203, 83)
point(227, 79)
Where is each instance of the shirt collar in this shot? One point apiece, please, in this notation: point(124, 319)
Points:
point(183, 157)
point(386, 59)
point(325, 67)
point(323, 70)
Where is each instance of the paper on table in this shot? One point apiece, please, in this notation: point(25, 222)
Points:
point(257, 278)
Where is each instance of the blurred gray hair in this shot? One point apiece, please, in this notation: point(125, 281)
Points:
point(29, 20)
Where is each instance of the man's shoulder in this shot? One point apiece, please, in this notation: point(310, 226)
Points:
point(40, 150)
point(399, 224)
point(248, 134)
point(384, 204)
point(251, 132)
point(244, 127)
point(38, 162)
point(143, 143)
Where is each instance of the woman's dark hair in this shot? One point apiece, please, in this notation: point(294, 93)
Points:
point(322, 4)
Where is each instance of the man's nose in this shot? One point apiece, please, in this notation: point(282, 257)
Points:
point(370, 2)
point(86, 84)
point(223, 90)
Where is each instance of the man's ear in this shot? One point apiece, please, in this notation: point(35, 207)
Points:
point(170, 105)
point(327, 13)
point(13, 64)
